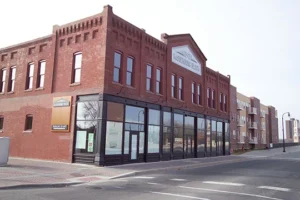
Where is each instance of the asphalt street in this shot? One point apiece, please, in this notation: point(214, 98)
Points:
point(258, 178)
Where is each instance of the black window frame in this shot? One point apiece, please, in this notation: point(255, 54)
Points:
point(225, 103)
point(193, 92)
point(149, 78)
point(221, 101)
point(40, 74)
point(1, 122)
point(76, 67)
point(180, 88)
point(129, 72)
point(3, 79)
point(28, 127)
point(213, 98)
point(173, 85)
point(29, 77)
point(158, 81)
point(199, 89)
point(208, 98)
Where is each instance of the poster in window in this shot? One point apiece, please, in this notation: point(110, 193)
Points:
point(80, 139)
point(61, 112)
point(91, 142)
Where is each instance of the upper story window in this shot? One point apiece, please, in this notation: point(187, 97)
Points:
point(117, 67)
point(158, 81)
point(180, 86)
point(1, 122)
point(208, 98)
point(225, 103)
point(29, 78)
point(193, 93)
point(41, 74)
point(199, 94)
point(3, 77)
point(77, 67)
point(173, 85)
point(129, 71)
point(12, 79)
point(213, 97)
point(149, 78)
point(221, 101)
point(28, 122)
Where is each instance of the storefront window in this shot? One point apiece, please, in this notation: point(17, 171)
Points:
point(178, 133)
point(189, 135)
point(227, 138)
point(201, 135)
point(113, 144)
point(153, 139)
point(142, 141)
point(85, 136)
point(213, 136)
point(154, 117)
point(126, 142)
point(167, 132)
point(208, 139)
point(220, 137)
point(135, 115)
point(115, 111)
point(87, 110)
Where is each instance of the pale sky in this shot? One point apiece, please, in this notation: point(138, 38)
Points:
point(256, 42)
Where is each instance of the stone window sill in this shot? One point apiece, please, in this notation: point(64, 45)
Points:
point(29, 90)
point(39, 89)
point(27, 131)
point(11, 92)
point(2, 93)
point(75, 84)
point(1, 131)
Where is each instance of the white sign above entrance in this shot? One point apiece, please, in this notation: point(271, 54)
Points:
point(184, 57)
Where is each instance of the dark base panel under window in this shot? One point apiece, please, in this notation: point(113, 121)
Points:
point(166, 157)
point(177, 156)
point(201, 155)
point(112, 160)
point(153, 157)
point(213, 154)
point(189, 156)
point(84, 158)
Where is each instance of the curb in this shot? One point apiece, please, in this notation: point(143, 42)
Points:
point(31, 186)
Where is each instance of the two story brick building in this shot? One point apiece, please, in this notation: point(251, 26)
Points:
point(100, 90)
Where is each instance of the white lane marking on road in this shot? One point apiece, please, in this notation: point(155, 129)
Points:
point(122, 175)
point(177, 179)
point(143, 177)
point(228, 192)
point(275, 188)
point(178, 195)
point(151, 183)
point(223, 183)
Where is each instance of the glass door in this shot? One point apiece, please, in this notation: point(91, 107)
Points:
point(189, 146)
point(134, 146)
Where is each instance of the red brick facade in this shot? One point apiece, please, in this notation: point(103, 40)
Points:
point(97, 37)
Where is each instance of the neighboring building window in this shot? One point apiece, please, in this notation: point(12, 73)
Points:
point(208, 98)
point(28, 123)
point(117, 67)
point(158, 81)
point(29, 80)
point(12, 79)
point(41, 74)
point(173, 89)
point(149, 78)
point(193, 93)
point(180, 83)
point(3, 77)
point(213, 96)
point(1, 123)
point(77, 67)
point(199, 95)
point(221, 101)
point(129, 71)
point(225, 103)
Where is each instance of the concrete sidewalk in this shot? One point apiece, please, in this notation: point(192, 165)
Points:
point(22, 173)
point(275, 152)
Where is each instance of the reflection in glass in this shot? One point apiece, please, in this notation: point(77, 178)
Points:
point(113, 138)
point(134, 127)
point(154, 117)
point(141, 144)
point(189, 122)
point(213, 135)
point(178, 133)
point(153, 139)
point(227, 138)
point(85, 136)
point(115, 111)
point(220, 137)
point(87, 110)
point(135, 114)
point(166, 139)
point(208, 142)
point(134, 143)
point(201, 135)
point(167, 119)
point(126, 142)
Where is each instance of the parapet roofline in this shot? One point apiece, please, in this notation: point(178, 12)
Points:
point(27, 43)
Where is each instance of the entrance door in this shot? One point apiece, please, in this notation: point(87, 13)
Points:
point(134, 146)
point(189, 140)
